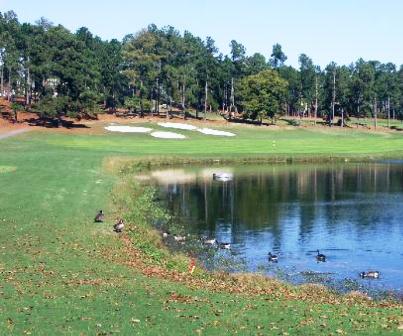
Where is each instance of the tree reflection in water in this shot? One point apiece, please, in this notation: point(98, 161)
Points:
point(350, 211)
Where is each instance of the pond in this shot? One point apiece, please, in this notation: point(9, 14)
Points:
point(352, 213)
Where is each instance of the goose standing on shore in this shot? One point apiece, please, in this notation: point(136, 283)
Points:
point(99, 217)
point(119, 225)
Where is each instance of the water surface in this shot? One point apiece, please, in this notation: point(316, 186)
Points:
point(352, 213)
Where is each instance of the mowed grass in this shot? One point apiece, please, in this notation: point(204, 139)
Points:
point(54, 278)
point(249, 140)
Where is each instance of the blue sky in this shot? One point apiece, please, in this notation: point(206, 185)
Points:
point(325, 30)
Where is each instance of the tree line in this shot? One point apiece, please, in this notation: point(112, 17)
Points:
point(63, 73)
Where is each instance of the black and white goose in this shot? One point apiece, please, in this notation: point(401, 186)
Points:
point(370, 274)
point(224, 246)
point(273, 257)
point(99, 217)
point(320, 257)
point(119, 225)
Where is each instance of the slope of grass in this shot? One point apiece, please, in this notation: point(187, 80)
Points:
point(55, 278)
point(250, 140)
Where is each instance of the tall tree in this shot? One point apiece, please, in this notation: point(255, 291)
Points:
point(277, 58)
point(262, 95)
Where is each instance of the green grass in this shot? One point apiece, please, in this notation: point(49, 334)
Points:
point(250, 141)
point(55, 279)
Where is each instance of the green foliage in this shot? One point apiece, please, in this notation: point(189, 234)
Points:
point(132, 103)
point(262, 95)
point(89, 101)
point(165, 66)
point(16, 107)
point(53, 107)
point(278, 57)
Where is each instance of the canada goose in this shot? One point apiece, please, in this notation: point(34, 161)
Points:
point(179, 238)
point(224, 246)
point(320, 257)
point(273, 257)
point(223, 177)
point(119, 225)
point(370, 274)
point(99, 218)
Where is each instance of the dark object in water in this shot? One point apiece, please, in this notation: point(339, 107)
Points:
point(222, 177)
point(99, 218)
point(320, 257)
point(273, 257)
point(370, 274)
point(224, 246)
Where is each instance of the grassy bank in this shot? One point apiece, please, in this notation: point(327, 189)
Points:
point(62, 274)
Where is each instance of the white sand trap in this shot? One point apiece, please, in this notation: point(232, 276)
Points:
point(167, 135)
point(210, 131)
point(178, 126)
point(128, 129)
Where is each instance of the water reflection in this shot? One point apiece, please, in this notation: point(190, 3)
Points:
point(350, 212)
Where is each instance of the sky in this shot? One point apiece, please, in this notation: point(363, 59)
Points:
point(325, 30)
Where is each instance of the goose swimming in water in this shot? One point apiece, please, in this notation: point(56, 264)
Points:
point(370, 274)
point(273, 257)
point(119, 225)
point(320, 257)
point(223, 177)
point(99, 218)
point(224, 246)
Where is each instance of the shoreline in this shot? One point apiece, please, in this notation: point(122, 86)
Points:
point(132, 166)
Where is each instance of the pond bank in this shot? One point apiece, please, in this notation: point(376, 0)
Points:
point(140, 210)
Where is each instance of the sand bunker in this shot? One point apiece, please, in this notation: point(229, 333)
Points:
point(128, 129)
point(210, 131)
point(178, 126)
point(167, 135)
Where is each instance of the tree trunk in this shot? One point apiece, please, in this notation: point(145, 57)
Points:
point(342, 117)
point(224, 98)
point(388, 112)
point(316, 98)
point(10, 84)
point(205, 100)
point(141, 100)
point(28, 87)
point(170, 107)
point(183, 101)
point(232, 107)
point(334, 93)
point(157, 108)
point(375, 114)
point(2, 80)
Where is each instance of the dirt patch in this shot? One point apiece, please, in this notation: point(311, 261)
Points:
point(12, 132)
